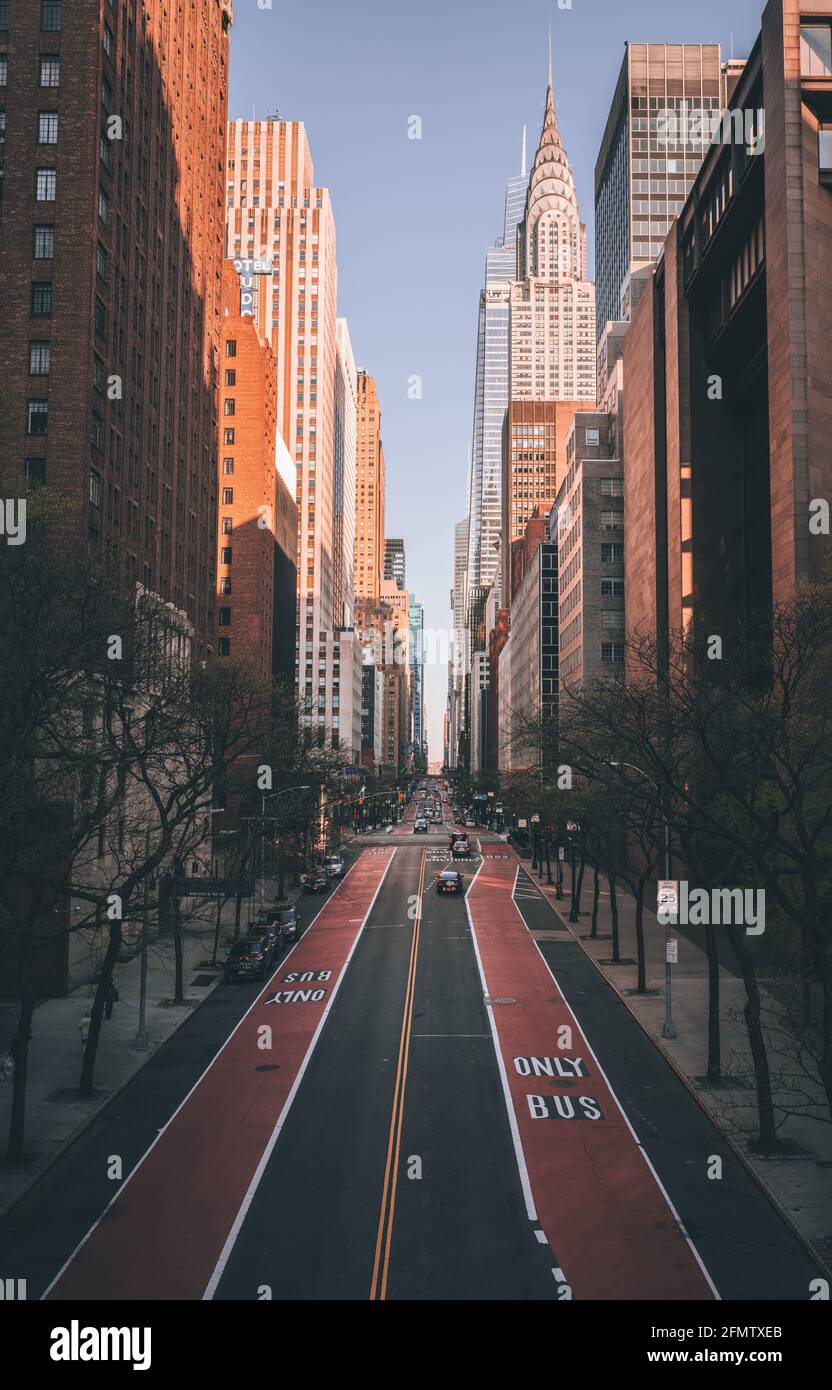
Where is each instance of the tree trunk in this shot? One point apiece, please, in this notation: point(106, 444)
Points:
point(714, 1041)
point(641, 986)
point(767, 1138)
point(596, 893)
point(580, 887)
point(616, 956)
point(178, 961)
point(105, 978)
point(17, 1123)
point(548, 859)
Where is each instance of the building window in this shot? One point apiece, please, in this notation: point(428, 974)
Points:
point(612, 487)
point(38, 417)
point(227, 525)
point(38, 359)
point(612, 554)
point(103, 205)
point(228, 497)
point(612, 618)
point(224, 646)
point(95, 488)
point(825, 151)
point(230, 406)
point(4, 69)
point(35, 472)
point(4, 14)
point(50, 16)
point(95, 432)
point(592, 439)
point(225, 586)
point(106, 95)
point(108, 41)
point(231, 347)
point(41, 299)
point(228, 436)
point(612, 588)
point(225, 617)
point(225, 555)
point(50, 70)
point(612, 521)
point(45, 184)
point(231, 376)
point(101, 263)
point(228, 466)
point(100, 317)
point(612, 653)
point(816, 50)
point(43, 248)
point(47, 127)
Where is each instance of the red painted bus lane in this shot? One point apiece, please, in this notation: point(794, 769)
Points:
point(597, 1200)
point(165, 1232)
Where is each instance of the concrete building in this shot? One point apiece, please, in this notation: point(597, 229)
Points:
point(588, 521)
point(280, 232)
point(111, 280)
point(257, 523)
point(370, 492)
point(727, 355)
point(394, 560)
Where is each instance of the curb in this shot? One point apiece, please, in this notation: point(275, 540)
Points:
point(738, 1152)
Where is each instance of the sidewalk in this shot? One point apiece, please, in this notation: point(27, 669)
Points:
point(800, 1184)
point(54, 1113)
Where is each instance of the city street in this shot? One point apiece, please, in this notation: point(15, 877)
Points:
point(432, 1098)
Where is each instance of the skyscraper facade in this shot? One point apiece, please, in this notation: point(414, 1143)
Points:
point(394, 560)
point(111, 279)
point(281, 232)
point(417, 672)
point(370, 485)
point(641, 177)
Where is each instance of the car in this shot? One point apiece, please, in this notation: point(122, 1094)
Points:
point(266, 929)
point(249, 958)
point(316, 881)
point(460, 849)
point(288, 924)
point(449, 881)
point(470, 823)
point(436, 819)
point(420, 826)
point(334, 866)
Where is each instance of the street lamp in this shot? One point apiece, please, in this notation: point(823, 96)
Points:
point(668, 1027)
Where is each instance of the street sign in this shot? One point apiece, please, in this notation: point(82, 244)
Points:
point(561, 852)
point(211, 887)
point(672, 951)
point(667, 901)
point(521, 825)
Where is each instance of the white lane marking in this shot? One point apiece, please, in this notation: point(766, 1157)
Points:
point(559, 1275)
point(198, 1082)
point(520, 1157)
point(541, 1238)
point(626, 1120)
point(231, 1239)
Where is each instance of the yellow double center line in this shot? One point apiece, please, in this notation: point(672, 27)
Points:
point(384, 1236)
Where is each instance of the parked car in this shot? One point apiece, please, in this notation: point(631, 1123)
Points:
point(420, 826)
point(470, 823)
point(249, 958)
point(460, 849)
point(334, 866)
point(288, 924)
point(449, 881)
point(316, 881)
point(266, 929)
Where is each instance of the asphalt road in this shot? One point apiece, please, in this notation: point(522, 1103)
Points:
point(411, 1130)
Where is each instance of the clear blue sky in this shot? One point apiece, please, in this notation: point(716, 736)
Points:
point(414, 216)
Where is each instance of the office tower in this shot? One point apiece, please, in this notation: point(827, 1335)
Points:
point(394, 560)
point(280, 232)
point(110, 279)
point(551, 341)
point(370, 485)
point(459, 631)
point(491, 387)
point(528, 663)
point(587, 521)
point(257, 531)
point(417, 672)
point(642, 177)
point(344, 480)
point(727, 355)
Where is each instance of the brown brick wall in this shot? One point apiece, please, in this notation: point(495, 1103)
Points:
point(639, 470)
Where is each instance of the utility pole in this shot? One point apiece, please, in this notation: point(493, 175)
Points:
point(141, 1035)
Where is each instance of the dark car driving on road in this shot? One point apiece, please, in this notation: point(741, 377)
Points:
point(449, 881)
point(316, 881)
point(460, 849)
point(249, 958)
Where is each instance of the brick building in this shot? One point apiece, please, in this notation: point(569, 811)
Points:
point(110, 276)
point(257, 527)
point(534, 463)
point(727, 355)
